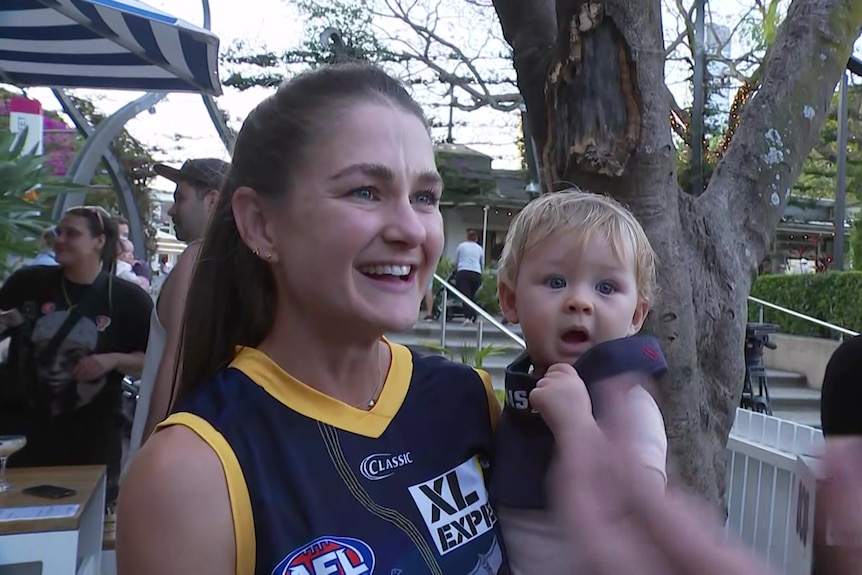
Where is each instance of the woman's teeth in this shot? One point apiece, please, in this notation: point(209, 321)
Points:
point(398, 271)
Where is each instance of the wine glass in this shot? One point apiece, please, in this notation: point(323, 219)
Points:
point(9, 444)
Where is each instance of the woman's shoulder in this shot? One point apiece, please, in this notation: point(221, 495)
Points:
point(175, 488)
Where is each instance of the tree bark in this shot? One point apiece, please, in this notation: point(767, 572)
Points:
point(592, 76)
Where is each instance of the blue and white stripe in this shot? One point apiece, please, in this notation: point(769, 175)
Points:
point(104, 44)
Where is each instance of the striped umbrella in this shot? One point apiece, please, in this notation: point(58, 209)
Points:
point(104, 44)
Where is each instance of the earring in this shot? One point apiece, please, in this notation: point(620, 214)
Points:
point(268, 256)
point(256, 252)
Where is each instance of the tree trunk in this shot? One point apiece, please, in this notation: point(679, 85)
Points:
point(592, 76)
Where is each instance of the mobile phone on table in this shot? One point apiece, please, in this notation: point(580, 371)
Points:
point(49, 491)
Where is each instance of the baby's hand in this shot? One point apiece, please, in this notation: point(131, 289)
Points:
point(562, 398)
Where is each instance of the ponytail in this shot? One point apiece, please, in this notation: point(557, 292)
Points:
point(231, 300)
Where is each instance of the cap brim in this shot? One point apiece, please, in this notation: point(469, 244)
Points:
point(521, 461)
point(169, 173)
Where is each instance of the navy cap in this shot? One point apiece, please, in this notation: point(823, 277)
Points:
point(207, 172)
point(524, 443)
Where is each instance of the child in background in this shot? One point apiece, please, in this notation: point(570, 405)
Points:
point(576, 271)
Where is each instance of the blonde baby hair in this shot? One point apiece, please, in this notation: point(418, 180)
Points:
point(588, 214)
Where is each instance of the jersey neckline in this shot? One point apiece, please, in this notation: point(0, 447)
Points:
point(313, 404)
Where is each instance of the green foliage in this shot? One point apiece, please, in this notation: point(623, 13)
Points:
point(819, 174)
point(832, 297)
point(254, 67)
point(23, 212)
point(856, 243)
point(487, 294)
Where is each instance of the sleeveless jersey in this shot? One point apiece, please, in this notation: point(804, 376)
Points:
point(317, 486)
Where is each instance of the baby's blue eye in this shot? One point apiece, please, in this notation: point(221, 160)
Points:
point(606, 288)
point(427, 198)
point(556, 282)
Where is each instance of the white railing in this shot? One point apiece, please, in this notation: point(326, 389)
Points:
point(771, 487)
point(802, 316)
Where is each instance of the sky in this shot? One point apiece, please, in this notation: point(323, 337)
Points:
point(180, 126)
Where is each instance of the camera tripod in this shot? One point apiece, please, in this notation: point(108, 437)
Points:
point(756, 339)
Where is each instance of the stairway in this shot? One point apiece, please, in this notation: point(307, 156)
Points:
point(791, 398)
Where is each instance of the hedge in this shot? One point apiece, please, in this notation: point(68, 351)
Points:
point(834, 297)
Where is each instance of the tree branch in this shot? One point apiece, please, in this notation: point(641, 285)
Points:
point(530, 28)
point(480, 97)
point(780, 125)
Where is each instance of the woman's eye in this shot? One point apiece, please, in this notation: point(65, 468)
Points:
point(426, 198)
point(606, 288)
point(364, 193)
point(556, 282)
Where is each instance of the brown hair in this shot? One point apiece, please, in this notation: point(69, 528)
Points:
point(100, 223)
point(234, 291)
point(473, 235)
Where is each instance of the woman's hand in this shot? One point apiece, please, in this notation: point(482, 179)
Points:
point(93, 367)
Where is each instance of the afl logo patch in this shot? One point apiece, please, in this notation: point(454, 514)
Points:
point(329, 555)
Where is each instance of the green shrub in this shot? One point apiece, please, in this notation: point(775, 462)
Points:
point(832, 297)
point(487, 294)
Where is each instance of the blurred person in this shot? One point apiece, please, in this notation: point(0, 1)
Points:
point(81, 331)
point(46, 256)
point(469, 263)
point(198, 182)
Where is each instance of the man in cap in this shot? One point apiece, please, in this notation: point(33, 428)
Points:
point(198, 183)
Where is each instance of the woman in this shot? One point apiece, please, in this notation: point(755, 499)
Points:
point(82, 330)
point(302, 441)
point(469, 263)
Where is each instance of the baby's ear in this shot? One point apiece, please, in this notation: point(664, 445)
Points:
point(506, 295)
point(639, 317)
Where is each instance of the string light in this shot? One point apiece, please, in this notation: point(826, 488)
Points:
point(743, 95)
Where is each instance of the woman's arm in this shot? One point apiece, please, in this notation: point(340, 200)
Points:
point(128, 363)
point(174, 515)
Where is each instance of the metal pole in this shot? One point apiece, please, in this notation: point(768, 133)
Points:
point(443, 312)
point(530, 152)
point(841, 187)
point(479, 335)
point(485, 209)
point(224, 132)
point(89, 154)
point(696, 123)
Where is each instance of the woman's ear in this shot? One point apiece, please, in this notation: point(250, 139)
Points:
point(253, 226)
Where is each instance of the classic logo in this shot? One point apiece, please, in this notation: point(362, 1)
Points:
point(455, 506)
point(382, 465)
point(329, 556)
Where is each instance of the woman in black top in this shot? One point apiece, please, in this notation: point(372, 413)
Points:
point(76, 330)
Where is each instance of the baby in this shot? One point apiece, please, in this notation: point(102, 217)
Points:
point(576, 271)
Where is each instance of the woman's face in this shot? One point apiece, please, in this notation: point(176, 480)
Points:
point(360, 232)
point(75, 243)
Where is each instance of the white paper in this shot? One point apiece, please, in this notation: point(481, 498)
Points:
point(42, 512)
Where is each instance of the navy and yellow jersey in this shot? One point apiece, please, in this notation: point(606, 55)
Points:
point(317, 486)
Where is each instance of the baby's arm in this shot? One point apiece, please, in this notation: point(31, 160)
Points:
point(648, 436)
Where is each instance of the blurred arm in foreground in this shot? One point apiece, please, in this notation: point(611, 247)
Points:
point(616, 525)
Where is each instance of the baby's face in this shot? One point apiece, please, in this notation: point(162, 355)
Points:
point(567, 300)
